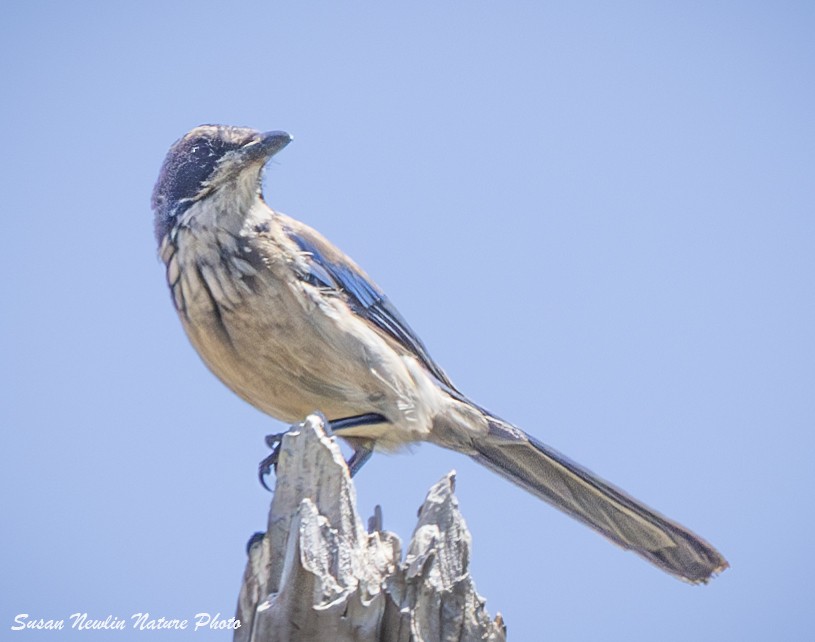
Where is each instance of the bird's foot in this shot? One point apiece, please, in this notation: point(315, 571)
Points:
point(270, 461)
point(363, 448)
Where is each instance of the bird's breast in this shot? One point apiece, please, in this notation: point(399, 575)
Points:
point(278, 342)
point(259, 299)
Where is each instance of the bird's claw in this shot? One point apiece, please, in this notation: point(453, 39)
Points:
point(273, 441)
point(363, 448)
point(270, 461)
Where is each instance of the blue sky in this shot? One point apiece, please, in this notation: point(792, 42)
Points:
point(599, 218)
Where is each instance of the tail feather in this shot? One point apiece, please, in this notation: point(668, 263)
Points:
point(553, 477)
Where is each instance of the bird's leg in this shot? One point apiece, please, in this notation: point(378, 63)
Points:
point(265, 466)
point(363, 448)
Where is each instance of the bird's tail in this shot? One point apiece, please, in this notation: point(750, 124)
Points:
point(553, 477)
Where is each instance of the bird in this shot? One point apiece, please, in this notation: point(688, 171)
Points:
point(292, 325)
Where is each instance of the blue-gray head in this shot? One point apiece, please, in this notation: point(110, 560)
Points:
point(206, 159)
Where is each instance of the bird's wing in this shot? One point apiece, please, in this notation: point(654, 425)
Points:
point(330, 269)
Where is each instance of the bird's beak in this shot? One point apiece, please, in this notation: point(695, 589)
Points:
point(265, 146)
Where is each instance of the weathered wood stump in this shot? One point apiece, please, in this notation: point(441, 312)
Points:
point(317, 574)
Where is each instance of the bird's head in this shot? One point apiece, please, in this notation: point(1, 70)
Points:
point(207, 159)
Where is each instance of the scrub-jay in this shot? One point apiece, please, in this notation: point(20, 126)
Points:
point(293, 325)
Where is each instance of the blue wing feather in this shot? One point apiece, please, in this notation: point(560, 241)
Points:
point(329, 268)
